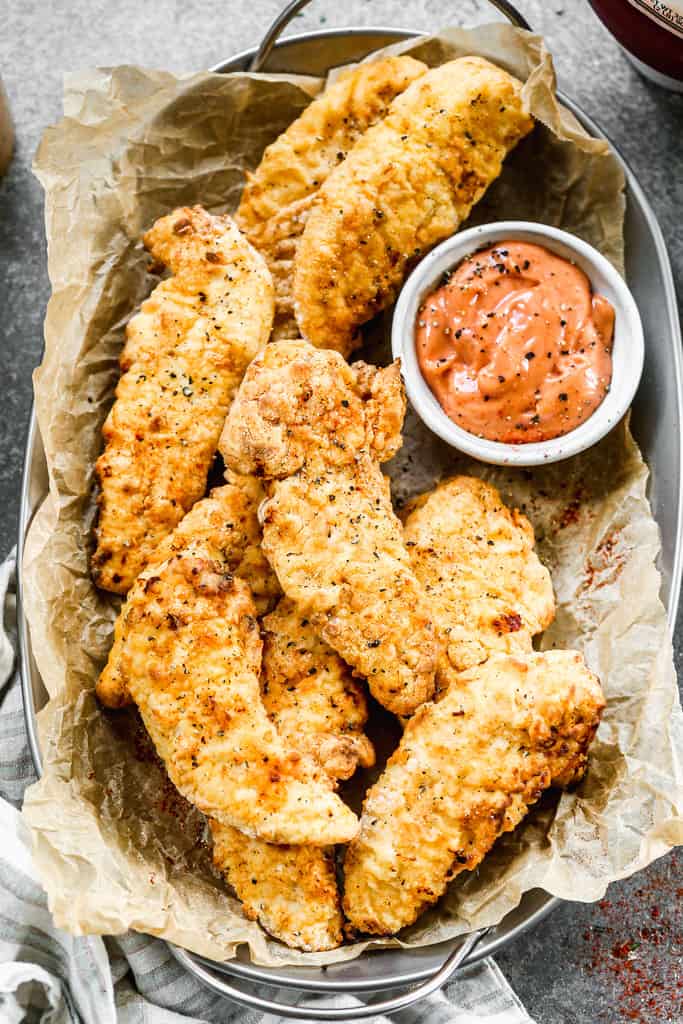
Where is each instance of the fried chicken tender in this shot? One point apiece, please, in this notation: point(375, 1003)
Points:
point(320, 710)
point(228, 521)
point(318, 429)
point(190, 655)
point(185, 354)
point(291, 890)
point(279, 195)
point(467, 769)
point(298, 162)
point(475, 558)
point(408, 183)
point(311, 696)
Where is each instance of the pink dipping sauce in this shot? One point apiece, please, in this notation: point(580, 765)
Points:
point(515, 345)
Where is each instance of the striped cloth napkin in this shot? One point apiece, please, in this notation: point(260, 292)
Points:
point(51, 977)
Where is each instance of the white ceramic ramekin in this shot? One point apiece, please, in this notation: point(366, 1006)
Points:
point(627, 354)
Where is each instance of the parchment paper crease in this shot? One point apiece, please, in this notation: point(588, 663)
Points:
point(116, 846)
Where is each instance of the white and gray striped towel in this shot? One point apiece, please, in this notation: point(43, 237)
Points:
point(51, 977)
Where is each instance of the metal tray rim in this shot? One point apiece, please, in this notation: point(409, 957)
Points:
point(248, 970)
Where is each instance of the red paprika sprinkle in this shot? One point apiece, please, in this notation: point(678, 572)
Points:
point(635, 948)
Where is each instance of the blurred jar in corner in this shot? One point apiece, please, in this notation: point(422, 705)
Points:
point(6, 131)
point(651, 33)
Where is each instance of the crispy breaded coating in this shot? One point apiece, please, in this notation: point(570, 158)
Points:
point(291, 890)
point(408, 183)
point(300, 160)
point(317, 428)
point(297, 163)
point(319, 709)
point(467, 769)
point(297, 406)
point(277, 239)
point(228, 521)
point(185, 354)
point(475, 558)
point(238, 536)
point(335, 545)
point(311, 696)
point(191, 655)
point(279, 195)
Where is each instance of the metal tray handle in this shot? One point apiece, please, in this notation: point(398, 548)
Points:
point(339, 1013)
point(283, 19)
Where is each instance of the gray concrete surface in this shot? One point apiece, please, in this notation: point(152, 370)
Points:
point(618, 961)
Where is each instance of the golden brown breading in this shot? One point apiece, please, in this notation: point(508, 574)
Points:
point(297, 406)
point(185, 354)
point(228, 521)
point(318, 428)
point(276, 239)
point(320, 710)
point(408, 183)
point(238, 536)
point(475, 558)
point(467, 769)
point(279, 195)
point(291, 890)
point(299, 161)
point(335, 545)
point(191, 655)
point(311, 696)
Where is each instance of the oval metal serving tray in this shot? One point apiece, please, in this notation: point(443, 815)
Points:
point(656, 423)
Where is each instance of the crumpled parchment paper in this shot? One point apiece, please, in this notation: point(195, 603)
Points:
point(116, 846)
